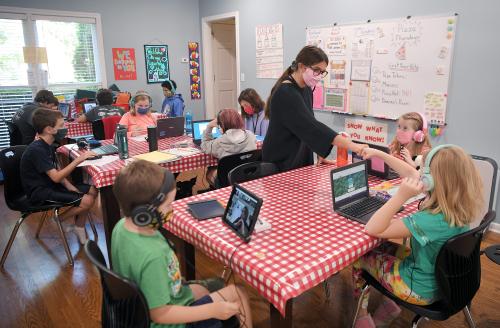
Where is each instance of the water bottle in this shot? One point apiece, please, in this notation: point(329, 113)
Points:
point(342, 154)
point(188, 118)
point(121, 136)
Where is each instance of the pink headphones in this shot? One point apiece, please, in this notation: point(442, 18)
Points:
point(419, 135)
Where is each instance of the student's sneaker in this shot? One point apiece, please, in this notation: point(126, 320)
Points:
point(387, 311)
point(365, 321)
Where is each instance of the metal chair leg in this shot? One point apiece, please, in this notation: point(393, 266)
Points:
point(92, 225)
point(363, 292)
point(63, 237)
point(40, 224)
point(416, 321)
point(11, 240)
point(468, 316)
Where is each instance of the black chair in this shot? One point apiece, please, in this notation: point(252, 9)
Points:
point(98, 130)
point(16, 199)
point(226, 164)
point(458, 275)
point(15, 135)
point(251, 171)
point(123, 304)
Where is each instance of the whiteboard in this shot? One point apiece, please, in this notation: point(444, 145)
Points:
point(387, 68)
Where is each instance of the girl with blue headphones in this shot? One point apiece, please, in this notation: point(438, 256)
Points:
point(453, 189)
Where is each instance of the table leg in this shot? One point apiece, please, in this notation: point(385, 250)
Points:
point(110, 214)
point(277, 320)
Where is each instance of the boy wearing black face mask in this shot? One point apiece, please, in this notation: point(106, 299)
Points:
point(41, 179)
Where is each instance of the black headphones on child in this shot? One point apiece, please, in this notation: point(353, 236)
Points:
point(144, 214)
point(82, 144)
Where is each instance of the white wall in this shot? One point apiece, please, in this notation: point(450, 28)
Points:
point(473, 108)
point(131, 24)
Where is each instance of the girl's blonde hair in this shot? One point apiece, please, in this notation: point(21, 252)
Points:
point(458, 188)
point(139, 95)
point(417, 124)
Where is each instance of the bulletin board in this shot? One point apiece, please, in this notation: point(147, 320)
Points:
point(387, 68)
point(156, 57)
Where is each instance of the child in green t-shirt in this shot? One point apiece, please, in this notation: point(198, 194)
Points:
point(453, 186)
point(145, 192)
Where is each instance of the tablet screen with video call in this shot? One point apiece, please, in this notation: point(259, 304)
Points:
point(242, 211)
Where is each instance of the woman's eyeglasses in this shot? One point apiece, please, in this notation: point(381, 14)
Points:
point(318, 72)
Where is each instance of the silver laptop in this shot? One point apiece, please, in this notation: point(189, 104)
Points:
point(170, 127)
point(351, 194)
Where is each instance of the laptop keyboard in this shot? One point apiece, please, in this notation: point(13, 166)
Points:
point(363, 207)
point(105, 150)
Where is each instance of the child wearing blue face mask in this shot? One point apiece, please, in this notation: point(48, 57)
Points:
point(139, 117)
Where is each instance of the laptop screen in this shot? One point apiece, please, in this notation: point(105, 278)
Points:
point(199, 128)
point(350, 182)
point(64, 109)
point(88, 106)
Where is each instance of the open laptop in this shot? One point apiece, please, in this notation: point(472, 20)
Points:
point(351, 194)
point(198, 127)
point(376, 166)
point(170, 127)
point(87, 107)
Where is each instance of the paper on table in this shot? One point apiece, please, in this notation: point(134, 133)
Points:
point(100, 162)
point(71, 146)
point(188, 151)
point(157, 157)
point(138, 138)
point(391, 190)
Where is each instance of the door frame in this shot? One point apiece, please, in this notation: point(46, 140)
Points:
point(207, 59)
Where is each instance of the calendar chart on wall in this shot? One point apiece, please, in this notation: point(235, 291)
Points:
point(387, 68)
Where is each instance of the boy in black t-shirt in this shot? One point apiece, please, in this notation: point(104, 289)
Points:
point(41, 179)
point(104, 108)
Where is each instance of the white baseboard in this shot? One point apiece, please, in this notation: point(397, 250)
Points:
point(495, 227)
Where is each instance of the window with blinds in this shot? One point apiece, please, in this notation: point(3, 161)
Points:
point(70, 40)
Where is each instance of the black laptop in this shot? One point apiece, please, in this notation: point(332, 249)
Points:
point(376, 166)
point(351, 194)
point(170, 127)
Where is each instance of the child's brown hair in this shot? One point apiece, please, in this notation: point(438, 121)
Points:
point(252, 97)
point(137, 184)
point(44, 117)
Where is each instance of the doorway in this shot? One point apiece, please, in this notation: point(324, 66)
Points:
point(221, 62)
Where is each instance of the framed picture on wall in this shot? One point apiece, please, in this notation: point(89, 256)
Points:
point(156, 58)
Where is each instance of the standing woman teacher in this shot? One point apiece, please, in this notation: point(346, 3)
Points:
point(294, 134)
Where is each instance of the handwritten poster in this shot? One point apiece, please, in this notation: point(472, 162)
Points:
point(269, 51)
point(194, 70)
point(156, 57)
point(124, 63)
point(366, 131)
point(359, 97)
point(435, 107)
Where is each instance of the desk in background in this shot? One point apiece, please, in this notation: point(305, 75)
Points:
point(307, 244)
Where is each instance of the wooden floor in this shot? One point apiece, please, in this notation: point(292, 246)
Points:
point(39, 289)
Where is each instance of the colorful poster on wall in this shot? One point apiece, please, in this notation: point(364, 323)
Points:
point(124, 63)
point(194, 70)
point(366, 131)
point(269, 51)
point(156, 57)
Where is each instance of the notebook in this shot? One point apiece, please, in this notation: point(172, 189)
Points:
point(198, 127)
point(351, 194)
point(376, 166)
point(170, 127)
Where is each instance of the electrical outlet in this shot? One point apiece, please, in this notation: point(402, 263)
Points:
point(184, 60)
point(242, 77)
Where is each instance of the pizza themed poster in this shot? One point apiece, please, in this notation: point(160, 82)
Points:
point(124, 63)
point(194, 70)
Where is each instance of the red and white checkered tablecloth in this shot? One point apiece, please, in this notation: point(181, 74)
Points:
point(307, 243)
point(103, 176)
point(76, 129)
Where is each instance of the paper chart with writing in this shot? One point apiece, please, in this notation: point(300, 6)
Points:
point(406, 62)
point(269, 51)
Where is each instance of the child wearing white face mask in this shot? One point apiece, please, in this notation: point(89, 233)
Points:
point(412, 139)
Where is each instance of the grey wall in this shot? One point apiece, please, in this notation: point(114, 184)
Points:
point(473, 111)
point(131, 24)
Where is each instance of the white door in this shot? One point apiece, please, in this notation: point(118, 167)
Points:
point(224, 64)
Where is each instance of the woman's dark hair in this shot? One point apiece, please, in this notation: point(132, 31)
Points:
point(252, 97)
point(169, 84)
point(104, 97)
point(308, 56)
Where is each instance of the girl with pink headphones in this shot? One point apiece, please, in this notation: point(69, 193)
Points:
point(412, 139)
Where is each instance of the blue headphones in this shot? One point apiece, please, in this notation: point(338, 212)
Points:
point(172, 87)
point(426, 177)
